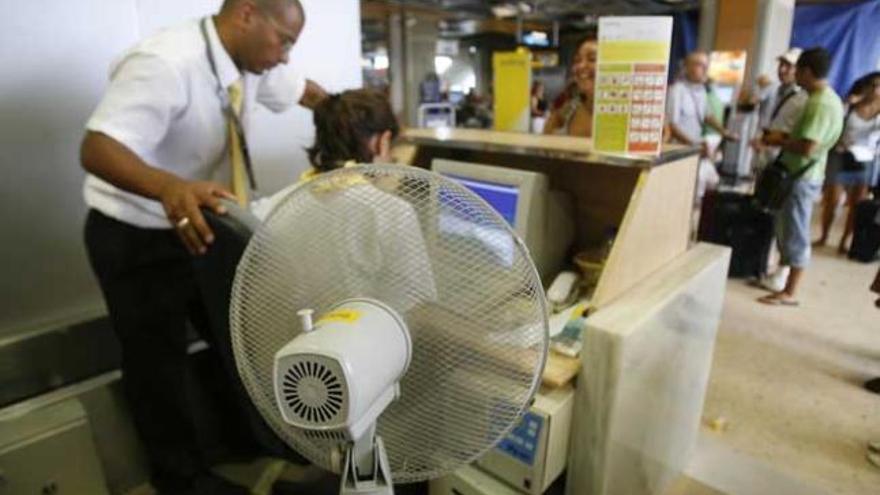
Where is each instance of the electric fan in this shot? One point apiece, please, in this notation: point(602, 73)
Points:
point(388, 324)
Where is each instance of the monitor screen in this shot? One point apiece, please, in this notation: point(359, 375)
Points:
point(522, 198)
point(497, 245)
point(503, 198)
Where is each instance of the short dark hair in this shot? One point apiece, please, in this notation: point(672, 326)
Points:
point(817, 60)
point(344, 124)
point(859, 86)
point(271, 5)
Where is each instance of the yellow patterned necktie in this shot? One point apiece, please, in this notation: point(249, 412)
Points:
point(236, 157)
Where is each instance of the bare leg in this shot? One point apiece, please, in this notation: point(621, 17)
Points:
point(854, 195)
point(794, 279)
point(793, 224)
point(787, 296)
point(830, 199)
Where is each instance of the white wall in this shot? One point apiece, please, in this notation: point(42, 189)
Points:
point(55, 55)
point(329, 51)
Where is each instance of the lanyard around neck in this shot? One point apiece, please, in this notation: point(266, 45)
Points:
point(689, 89)
point(226, 105)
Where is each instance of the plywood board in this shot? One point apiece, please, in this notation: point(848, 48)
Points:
point(654, 230)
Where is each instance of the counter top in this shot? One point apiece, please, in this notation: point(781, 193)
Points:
point(556, 147)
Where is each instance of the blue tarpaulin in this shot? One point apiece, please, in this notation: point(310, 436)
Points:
point(850, 31)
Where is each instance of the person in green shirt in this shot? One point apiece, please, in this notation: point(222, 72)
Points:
point(804, 152)
point(714, 108)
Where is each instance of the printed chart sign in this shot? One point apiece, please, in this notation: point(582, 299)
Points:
point(630, 97)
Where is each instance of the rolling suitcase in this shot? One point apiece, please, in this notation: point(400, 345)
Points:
point(730, 219)
point(866, 232)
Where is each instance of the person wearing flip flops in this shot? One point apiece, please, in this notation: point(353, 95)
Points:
point(804, 153)
point(780, 112)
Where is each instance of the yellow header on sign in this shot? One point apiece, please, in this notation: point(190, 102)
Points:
point(633, 51)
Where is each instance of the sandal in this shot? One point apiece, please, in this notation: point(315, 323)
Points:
point(778, 299)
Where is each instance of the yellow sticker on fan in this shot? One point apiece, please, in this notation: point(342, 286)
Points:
point(341, 316)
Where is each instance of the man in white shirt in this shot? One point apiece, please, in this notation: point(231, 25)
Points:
point(687, 108)
point(168, 138)
point(781, 108)
point(687, 111)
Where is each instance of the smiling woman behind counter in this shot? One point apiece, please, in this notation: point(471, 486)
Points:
point(572, 115)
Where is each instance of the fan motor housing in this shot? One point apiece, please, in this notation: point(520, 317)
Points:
point(344, 372)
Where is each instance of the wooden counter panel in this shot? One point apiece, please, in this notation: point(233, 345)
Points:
point(655, 229)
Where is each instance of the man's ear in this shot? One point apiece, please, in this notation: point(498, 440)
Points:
point(245, 14)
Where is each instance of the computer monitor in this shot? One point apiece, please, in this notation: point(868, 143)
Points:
point(540, 217)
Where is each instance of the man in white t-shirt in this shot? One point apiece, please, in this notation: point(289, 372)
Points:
point(687, 112)
point(781, 107)
point(687, 109)
point(169, 137)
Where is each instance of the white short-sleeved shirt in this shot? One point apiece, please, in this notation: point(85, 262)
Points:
point(768, 97)
point(163, 103)
point(785, 119)
point(789, 113)
point(686, 107)
point(861, 136)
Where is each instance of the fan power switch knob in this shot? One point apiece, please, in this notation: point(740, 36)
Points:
point(305, 318)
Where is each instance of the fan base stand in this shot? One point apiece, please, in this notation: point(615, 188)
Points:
point(378, 482)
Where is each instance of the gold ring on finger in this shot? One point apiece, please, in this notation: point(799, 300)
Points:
point(183, 223)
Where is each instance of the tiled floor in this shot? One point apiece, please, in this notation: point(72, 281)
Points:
point(787, 380)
